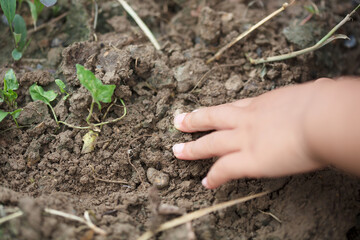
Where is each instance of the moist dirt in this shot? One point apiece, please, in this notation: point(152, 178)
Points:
point(132, 182)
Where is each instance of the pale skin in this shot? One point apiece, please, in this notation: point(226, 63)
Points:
point(290, 130)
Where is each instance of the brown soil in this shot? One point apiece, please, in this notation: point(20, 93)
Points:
point(42, 166)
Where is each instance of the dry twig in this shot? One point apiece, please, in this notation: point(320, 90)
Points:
point(325, 40)
point(11, 216)
point(48, 23)
point(141, 24)
point(86, 220)
point(241, 36)
point(210, 71)
point(104, 180)
point(197, 214)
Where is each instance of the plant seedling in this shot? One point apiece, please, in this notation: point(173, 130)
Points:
point(99, 91)
point(17, 24)
point(38, 93)
point(36, 7)
point(62, 87)
point(9, 96)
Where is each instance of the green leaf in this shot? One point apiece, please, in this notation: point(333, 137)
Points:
point(10, 81)
point(10, 96)
point(15, 114)
point(16, 54)
point(33, 10)
point(61, 85)
point(38, 93)
point(3, 115)
point(99, 91)
point(17, 38)
point(9, 8)
point(48, 3)
point(39, 6)
point(20, 28)
point(1, 96)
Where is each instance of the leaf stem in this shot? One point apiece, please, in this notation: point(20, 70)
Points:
point(17, 124)
point(90, 112)
point(98, 124)
point(114, 120)
point(53, 112)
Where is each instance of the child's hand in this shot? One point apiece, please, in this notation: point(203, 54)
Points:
point(254, 137)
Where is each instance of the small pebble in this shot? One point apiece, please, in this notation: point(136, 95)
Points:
point(157, 178)
point(351, 42)
point(56, 42)
point(4, 20)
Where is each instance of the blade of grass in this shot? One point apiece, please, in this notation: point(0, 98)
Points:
point(141, 24)
point(325, 40)
point(197, 214)
point(244, 34)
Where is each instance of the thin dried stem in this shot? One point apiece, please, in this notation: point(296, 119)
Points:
point(48, 23)
point(325, 40)
point(210, 71)
point(241, 36)
point(141, 24)
point(104, 180)
point(11, 217)
point(271, 215)
point(129, 158)
point(197, 214)
point(86, 221)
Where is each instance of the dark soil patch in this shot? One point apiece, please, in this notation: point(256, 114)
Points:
point(42, 166)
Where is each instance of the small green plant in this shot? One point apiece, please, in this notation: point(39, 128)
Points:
point(38, 93)
point(17, 24)
point(9, 96)
point(62, 87)
point(100, 93)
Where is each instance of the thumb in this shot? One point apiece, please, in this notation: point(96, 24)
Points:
point(229, 167)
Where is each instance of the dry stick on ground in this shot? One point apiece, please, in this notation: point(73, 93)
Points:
point(271, 215)
point(86, 221)
point(211, 70)
point(48, 23)
point(241, 36)
point(325, 40)
point(104, 180)
point(197, 214)
point(128, 154)
point(141, 24)
point(11, 216)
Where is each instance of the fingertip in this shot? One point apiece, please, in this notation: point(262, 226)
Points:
point(178, 149)
point(178, 120)
point(204, 182)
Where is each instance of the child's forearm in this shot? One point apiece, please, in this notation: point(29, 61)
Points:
point(332, 124)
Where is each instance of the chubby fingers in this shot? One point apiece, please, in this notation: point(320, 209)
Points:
point(214, 144)
point(231, 166)
point(218, 117)
point(204, 119)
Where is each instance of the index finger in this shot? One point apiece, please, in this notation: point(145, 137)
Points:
point(204, 119)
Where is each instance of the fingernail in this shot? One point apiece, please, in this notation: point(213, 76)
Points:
point(204, 182)
point(195, 110)
point(179, 119)
point(178, 148)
